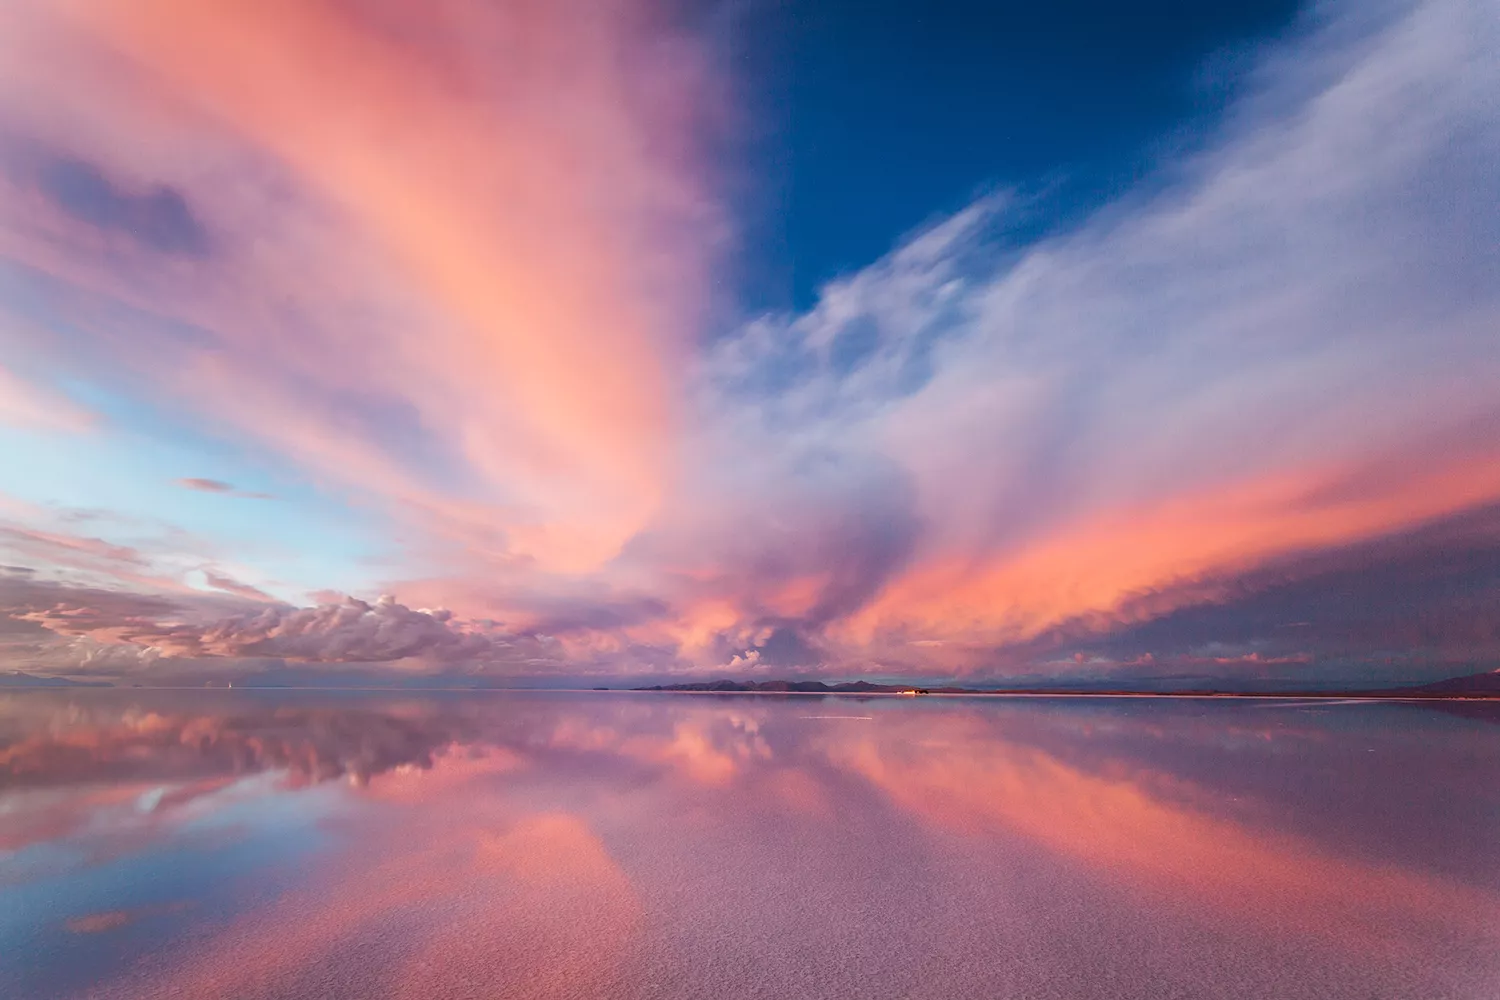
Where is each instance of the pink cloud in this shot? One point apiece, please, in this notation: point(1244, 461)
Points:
point(26, 404)
point(217, 486)
point(228, 584)
point(206, 485)
point(350, 632)
point(538, 254)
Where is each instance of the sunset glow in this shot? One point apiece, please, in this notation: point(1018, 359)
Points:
point(307, 303)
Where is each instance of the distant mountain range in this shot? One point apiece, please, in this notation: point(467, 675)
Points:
point(16, 678)
point(808, 687)
point(1483, 685)
point(1480, 686)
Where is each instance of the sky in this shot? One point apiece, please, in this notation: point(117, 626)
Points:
point(574, 342)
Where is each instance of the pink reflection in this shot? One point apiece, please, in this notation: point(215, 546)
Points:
point(469, 901)
point(1116, 818)
point(651, 847)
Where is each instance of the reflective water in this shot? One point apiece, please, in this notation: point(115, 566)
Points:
point(303, 844)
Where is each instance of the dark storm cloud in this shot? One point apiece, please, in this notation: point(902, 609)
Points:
point(1426, 599)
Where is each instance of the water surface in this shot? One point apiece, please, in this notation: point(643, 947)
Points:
point(308, 844)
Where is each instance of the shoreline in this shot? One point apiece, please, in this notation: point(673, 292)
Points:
point(1325, 696)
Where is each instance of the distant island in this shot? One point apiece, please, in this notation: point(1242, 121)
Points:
point(1480, 686)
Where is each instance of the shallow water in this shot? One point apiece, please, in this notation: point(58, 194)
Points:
point(308, 844)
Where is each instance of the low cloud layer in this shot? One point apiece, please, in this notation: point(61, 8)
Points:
point(350, 631)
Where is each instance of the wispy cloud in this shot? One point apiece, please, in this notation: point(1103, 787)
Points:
point(25, 403)
point(218, 486)
point(484, 328)
point(228, 584)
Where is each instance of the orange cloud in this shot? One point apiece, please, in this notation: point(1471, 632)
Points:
point(1093, 566)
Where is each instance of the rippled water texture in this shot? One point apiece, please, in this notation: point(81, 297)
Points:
point(301, 844)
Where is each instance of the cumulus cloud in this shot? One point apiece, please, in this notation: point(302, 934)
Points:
point(352, 631)
point(52, 627)
point(740, 662)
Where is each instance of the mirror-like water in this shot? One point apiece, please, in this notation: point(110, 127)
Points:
point(306, 844)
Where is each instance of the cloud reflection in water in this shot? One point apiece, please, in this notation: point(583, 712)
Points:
point(650, 846)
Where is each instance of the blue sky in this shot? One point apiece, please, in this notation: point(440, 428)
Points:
point(872, 120)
